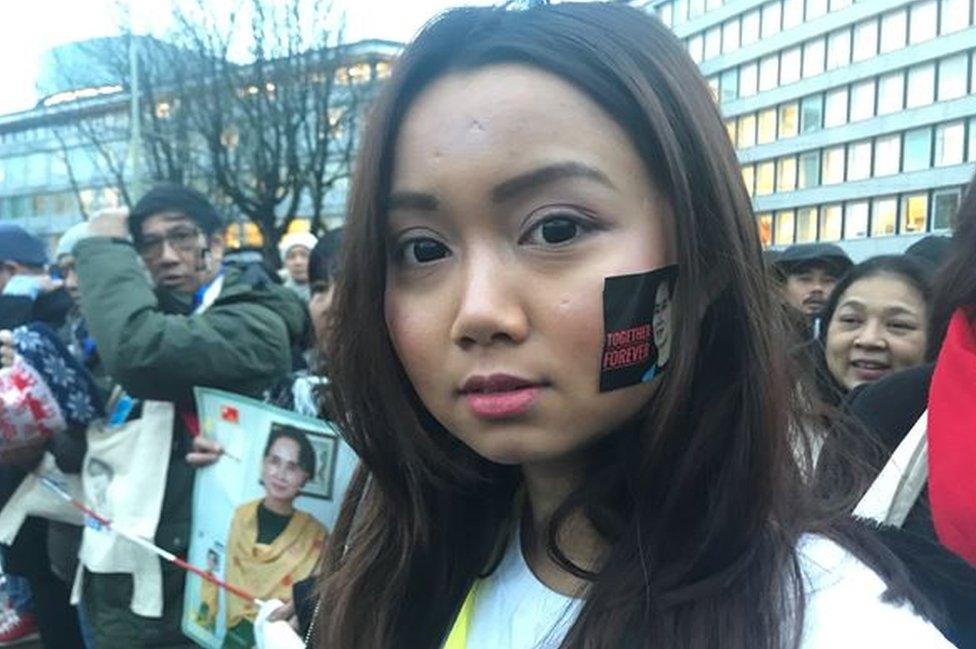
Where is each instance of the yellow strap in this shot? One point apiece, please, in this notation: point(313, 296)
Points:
point(458, 637)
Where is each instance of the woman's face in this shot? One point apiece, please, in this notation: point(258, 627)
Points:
point(662, 323)
point(513, 197)
point(281, 472)
point(879, 327)
point(296, 262)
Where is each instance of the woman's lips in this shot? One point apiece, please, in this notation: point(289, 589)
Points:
point(502, 405)
point(869, 370)
point(500, 396)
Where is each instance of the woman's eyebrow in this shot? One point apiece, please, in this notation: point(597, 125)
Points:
point(407, 200)
point(900, 309)
point(508, 189)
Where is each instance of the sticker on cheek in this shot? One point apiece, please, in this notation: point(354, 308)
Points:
point(637, 327)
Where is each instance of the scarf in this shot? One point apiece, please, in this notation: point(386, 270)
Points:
point(268, 570)
point(952, 439)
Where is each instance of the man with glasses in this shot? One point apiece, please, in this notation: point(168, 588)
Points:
point(191, 321)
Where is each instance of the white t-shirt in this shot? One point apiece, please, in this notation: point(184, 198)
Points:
point(514, 610)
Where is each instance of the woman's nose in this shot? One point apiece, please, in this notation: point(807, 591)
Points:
point(490, 308)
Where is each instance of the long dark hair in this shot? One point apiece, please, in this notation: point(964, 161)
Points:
point(956, 280)
point(702, 499)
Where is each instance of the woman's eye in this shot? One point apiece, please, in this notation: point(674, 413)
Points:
point(902, 326)
point(422, 251)
point(554, 231)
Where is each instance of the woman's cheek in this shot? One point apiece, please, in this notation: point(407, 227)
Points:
point(579, 323)
point(412, 332)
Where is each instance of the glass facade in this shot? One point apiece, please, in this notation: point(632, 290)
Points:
point(860, 147)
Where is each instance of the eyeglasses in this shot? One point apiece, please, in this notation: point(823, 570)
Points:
point(181, 239)
point(62, 269)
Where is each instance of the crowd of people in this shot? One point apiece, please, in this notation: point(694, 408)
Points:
point(782, 456)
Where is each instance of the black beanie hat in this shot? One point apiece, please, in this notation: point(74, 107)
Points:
point(323, 261)
point(170, 197)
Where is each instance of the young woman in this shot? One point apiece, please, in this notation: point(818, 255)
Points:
point(518, 169)
point(876, 321)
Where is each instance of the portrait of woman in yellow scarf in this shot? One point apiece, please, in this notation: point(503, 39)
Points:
point(271, 545)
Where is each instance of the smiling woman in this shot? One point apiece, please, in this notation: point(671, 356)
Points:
point(877, 321)
point(518, 165)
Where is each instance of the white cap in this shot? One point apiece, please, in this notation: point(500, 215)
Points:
point(71, 237)
point(289, 241)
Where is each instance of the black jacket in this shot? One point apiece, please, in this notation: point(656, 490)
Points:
point(889, 408)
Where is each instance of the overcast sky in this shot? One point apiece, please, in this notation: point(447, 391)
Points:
point(31, 27)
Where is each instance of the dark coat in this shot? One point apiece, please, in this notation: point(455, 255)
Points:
point(889, 408)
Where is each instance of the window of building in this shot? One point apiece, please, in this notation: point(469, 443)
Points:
point(816, 8)
point(764, 222)
point(972, 140)
point(894, 31)
point(837, 5)
point(785, 225)
point(972, 78)
point(833, 166)
point(811, 114)
point(713, 43)
point(953, 73)
point(884, 216)
point(914, 213)
point(917, 152)
point(747, 131)
point(749, 178)
point(696, 48)
point(831, 221)
point(856, 220)
point(887, 155)
point(814, 56)
point(748, 79)
point(37, 168)
point(772, 19)
point(788, 120)
point(891, 93)
point(713, 87)
point(859, 160)
point(664, 13)
point(809, 170)
point(765, 172)
point(955, 16)
point(680, 13)
point(922, 25)
point(730, 36)
point(712, 5)
point(695, 8)
point(839, 49)
point(792, 13)
point(750, 28)
point(950, 144)
point(766, 126)
point(806, 224)
point(786, 174)
point(865, 40)
point(769, 73)
point(944, 207)
point(862, 100)
point(789, 67)
point(730, 129)
point(729, 85)
point(835, 108)
point(921, 85)
point(19, 207)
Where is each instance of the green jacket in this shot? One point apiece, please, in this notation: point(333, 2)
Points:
point(155, 348)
